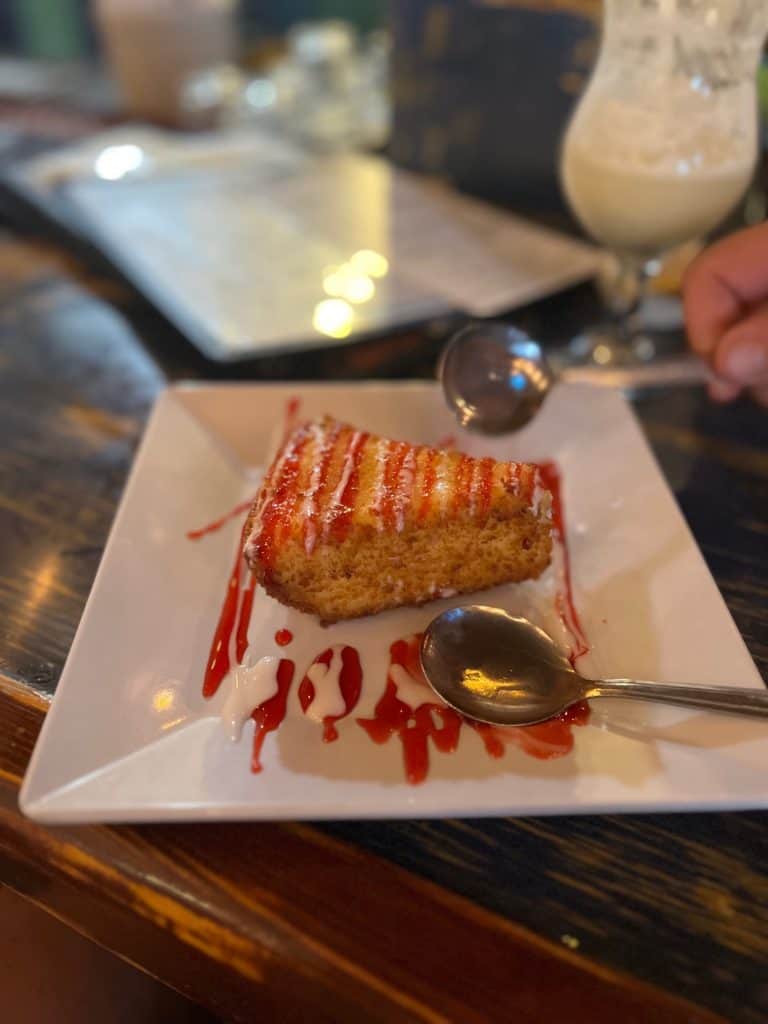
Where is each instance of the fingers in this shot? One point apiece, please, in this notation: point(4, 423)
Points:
point(722, 283)
point(741, 357)
point(723, 390)
point(726, 311)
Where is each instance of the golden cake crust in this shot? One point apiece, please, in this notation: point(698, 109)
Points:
point(347, 523)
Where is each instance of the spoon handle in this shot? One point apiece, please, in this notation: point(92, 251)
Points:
point(712, 698)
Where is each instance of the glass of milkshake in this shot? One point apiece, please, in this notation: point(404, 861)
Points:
point(663, 143)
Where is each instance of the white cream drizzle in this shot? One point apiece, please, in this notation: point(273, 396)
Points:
point(474, 486)
point(328, 700)
point(251, 686)
point(309, 504)
point(382, 448)
point(409, 690)
point(444, 477)
point(541, 501)
point(405, 487)
point(513, 478)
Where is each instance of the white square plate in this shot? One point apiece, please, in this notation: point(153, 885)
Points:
point(130, 737)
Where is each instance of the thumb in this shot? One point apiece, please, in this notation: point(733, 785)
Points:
point(741, 356)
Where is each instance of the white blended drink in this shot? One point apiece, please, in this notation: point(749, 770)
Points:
point(645, 210)
point(660, 149)
point(642, 184)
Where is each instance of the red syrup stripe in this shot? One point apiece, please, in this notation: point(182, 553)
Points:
point(350, 681)
point(339, 516)
point(413, 727)
point(235, 617)
point(416, 726)
point(218, 658)
point(217, 524)
point(564, 602)
point(269, 715)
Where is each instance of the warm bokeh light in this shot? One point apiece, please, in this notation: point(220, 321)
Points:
point(163, 700)
point(347, 283)
point(333, 317)
point(116, 161)
point(367, 261)
point(359, 288)
point(602, 354)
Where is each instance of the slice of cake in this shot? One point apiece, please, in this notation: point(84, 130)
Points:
point(347, 523)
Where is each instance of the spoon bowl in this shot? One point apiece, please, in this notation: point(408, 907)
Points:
point(494, 377)
point(496, 668)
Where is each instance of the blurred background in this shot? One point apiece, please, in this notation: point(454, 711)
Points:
point(283, 139)
point(452, 88)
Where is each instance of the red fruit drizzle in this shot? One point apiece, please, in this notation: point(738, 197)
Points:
point(484, 487)
point(461, 483)
point(218, 523)
point(236, 611)
point(350, 685)
point(244, 620)
point(278, 508)
point(218, 658)
point(268, 716)
point(527, 481)
point(564, 603)
point(413, 726)
point(340, 516)
point(324, 457)
point(545, 741)
point(283, 637)
point(416, 726)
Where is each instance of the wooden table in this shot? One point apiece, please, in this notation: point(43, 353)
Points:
point(648, 918)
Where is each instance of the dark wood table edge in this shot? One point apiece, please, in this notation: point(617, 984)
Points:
point(185, 921)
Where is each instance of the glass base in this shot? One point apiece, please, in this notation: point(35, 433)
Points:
point(605, 345)
point(612, 354)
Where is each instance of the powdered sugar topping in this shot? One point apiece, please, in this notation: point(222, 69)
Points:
point(334, 505)
point(309, 504)
point(404, 490)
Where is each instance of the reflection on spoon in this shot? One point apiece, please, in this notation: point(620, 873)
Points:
point(494, 377)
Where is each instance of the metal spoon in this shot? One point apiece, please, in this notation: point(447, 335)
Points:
point(503, 670)
point(495, 377)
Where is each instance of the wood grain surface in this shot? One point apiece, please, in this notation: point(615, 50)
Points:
point(657, 918)
point(285, 922)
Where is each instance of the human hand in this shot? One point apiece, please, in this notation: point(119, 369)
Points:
point(725, 295)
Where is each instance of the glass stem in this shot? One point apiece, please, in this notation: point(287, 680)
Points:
point(625, 291)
